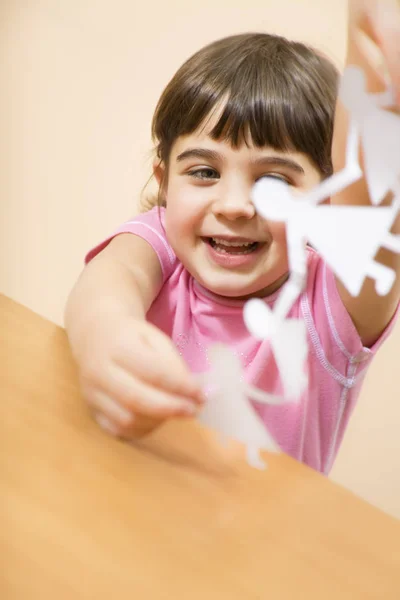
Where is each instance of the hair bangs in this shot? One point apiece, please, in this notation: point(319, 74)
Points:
point(260, 89)
point(263, 120)
point(268, 109)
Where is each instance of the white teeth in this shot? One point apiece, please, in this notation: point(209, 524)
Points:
point(233, 244)
point(247, 251)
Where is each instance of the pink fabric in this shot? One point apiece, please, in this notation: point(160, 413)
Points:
point(310, 431)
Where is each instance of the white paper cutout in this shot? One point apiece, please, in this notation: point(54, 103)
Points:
point(229, 410)
point(347, 237)
point(379, 132)
point(288, 338)
point(351, 172)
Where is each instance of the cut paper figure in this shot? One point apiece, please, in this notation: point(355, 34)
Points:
point(330, 230)
point(379, 132)
point(344, 178)
point(229, 411)
point(346, 237)
point(288, 338)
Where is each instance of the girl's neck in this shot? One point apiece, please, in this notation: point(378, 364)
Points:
point(268, 293)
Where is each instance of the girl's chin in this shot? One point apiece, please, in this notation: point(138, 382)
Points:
point(235, 293)
point(238, 292)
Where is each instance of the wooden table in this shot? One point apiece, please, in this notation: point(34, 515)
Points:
point(84, 516)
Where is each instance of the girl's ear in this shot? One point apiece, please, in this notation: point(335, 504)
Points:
point(159, 171)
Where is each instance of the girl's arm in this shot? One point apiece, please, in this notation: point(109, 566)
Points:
point(130, 372)
point(123, 279)
point(378, 20)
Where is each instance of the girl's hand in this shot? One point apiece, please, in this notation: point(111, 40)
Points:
point(376, 21)
point(134, 379)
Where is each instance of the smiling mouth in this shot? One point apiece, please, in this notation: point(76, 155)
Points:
point(232, 247)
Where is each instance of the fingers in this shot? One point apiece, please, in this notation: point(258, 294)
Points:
point(387, 36)
point(129, 408)
point(102, 404)
point(380, 22)
point(157, 361)
point(106, 424)
point(119, 422)
point(141, 426)
point(138, 381)
point(137, 396)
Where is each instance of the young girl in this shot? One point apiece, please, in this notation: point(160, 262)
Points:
point(172, 281)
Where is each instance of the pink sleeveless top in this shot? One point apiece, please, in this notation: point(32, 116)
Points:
point(310, 431)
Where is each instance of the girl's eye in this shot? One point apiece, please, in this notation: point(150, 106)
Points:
point(204, 174)
point(276, 176)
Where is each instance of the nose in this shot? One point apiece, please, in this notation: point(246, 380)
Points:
point(234, 203)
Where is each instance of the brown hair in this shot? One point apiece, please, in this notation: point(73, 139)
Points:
point(277, 92)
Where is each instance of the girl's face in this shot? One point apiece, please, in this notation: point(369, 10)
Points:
point(211, 222)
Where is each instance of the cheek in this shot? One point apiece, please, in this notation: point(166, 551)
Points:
point(278, 232)
point(184, 210)
point(179, 219)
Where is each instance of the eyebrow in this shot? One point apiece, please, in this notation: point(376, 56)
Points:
point(263, 160)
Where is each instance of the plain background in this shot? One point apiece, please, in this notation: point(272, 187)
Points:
point(79, 83)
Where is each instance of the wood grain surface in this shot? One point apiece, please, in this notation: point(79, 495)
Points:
point(176, 517)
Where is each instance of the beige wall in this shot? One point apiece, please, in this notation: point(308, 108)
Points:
point(79, 81)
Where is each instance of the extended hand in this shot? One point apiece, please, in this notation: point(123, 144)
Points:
point(376, 21)
point(134, 379)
